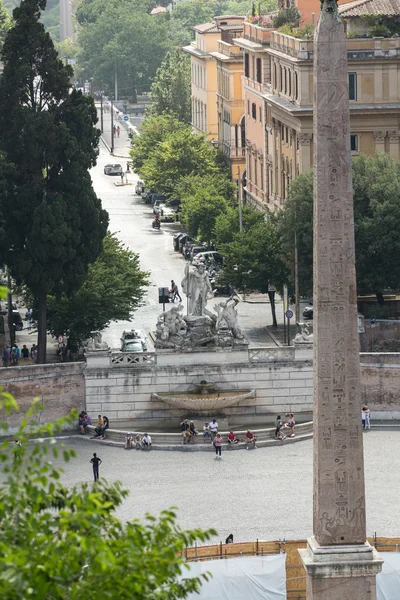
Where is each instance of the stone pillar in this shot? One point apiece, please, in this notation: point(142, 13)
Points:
point(394, 144)
point(304, 151)
point(379, 141)
point(338, 560)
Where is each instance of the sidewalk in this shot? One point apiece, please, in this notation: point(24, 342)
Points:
point(121, 143)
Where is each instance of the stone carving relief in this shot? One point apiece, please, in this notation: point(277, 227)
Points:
point(304, 139)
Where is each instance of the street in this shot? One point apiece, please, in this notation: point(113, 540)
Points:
point(131, 219)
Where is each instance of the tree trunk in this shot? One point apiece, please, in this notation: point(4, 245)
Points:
point(271, 296)
point(42, 328)
point(11, 327)
point(380, 298)
point(134, 95)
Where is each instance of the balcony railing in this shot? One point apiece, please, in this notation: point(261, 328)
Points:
point(256, 33)
point(229, 50)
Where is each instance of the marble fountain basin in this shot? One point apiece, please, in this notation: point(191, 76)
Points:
point(205, 402)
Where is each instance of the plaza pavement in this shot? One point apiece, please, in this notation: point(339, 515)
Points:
point(264, 493)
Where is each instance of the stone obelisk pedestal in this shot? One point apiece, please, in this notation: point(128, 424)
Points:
point(339, 562)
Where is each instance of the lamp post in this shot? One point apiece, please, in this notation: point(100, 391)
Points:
point(240, 200)
point(112, 126)
point(101, 112)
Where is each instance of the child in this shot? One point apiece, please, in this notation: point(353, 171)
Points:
point(206, 431)
point(138, 443)
point(218, 445)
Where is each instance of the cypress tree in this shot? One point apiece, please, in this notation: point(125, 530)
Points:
point(53, 224)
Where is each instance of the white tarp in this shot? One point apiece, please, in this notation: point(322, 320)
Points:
point(388, 581)
point(249, 578)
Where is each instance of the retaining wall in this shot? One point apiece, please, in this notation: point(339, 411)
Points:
point(60, 388)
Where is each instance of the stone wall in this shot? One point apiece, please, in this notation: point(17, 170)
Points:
point(125, 393)
point(60, 388)
point(380, 384)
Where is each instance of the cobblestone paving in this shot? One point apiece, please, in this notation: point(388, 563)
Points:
point(264, 493)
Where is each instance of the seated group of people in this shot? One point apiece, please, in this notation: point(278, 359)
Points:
point(188, 431)
point(83, 422)
point(102, 425)
point(132, 441)
point(290, 424)
point(210, 431)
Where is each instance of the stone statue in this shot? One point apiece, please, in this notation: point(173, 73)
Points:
point(304, 335)
point(197, 287)
point(171, 323)
point(96, 343)
point(227, 313)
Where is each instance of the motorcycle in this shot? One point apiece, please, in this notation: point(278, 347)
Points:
point(156, 224)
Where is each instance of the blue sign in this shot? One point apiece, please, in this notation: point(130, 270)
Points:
point(126, 118)
point(372, 320)
point(289, 313)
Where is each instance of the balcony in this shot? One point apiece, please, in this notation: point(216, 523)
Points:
point(229, 50)
point(357, 49)
point(257, 34)
point(232, 151)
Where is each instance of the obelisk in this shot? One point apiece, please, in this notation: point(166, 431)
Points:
point(339, 561)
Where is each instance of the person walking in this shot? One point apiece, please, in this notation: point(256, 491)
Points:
point(96, 462)
point(114, 130)
point(218, 445)
point(118, 130)
point(278, 427)
point(175, 291)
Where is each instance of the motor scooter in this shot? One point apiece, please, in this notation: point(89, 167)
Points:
point(156, 224)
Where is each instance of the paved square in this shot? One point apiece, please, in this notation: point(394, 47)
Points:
point(264, 493)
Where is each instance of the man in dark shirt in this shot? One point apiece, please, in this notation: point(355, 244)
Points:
point(185, 431)
point(96, 462)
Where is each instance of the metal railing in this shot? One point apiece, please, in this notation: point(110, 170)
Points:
point(260, 355)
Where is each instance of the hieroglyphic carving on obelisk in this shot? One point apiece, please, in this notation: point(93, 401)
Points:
point(339, 494)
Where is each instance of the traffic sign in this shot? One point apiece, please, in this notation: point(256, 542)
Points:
point(373, 321)
point(271, 288)
point(126, 118)
point(289, 313)
point(60, 339)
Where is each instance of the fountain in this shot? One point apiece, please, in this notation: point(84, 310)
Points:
point(206, 399)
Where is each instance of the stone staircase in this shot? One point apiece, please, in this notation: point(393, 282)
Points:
point(173, 441)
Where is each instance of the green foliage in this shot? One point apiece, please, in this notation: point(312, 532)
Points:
point(67, 543)
point(53, 221)
point(290, 15)
point(376, 184)
point(173, 153)
point(113, 289)
point(171, 89)
point(297, 215)
point(381, 25)
point(203, 199)
point(5, 23)
point(304, 33)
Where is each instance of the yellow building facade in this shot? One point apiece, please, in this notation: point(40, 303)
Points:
point(278, 95)
point(217, 92)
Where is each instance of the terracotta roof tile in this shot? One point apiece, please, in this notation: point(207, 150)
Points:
point(370, 7)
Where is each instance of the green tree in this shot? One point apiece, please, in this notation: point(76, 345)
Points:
point(153, 130)
point(181, 153)
point(5, 23)
point(297, 216)
point(113, 288)
point(63, 543)
point(376, 184)
point(171, 88)
point(53, 221)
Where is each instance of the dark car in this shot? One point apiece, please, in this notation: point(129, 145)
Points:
point(17, 319)
point(175, 240)
point(184, 241)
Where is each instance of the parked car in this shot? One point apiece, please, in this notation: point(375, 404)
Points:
point(158, 199)
point(195, 250)
point(211, 257)
point(175, 239)
point(184, 240)
point(134, 346)
point(167, 213)
point(113, 169)
point(131, 337)
point(308, 311)
point(17, 319)
point(147, 196)
point(139, 188)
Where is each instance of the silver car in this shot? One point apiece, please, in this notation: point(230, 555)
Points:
point(114, 169)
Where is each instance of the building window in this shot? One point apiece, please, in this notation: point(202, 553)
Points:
point(261, 176)
point(253, 70)
point(243, 133)
point(275, 82)
point(281, 79)
point(254, 110)
point(290, 82)
point(246, 65)
point(260, 113)
point(248, 107)
point(255, 170)
point(352, 86)
point(296, 86)
point(282, 133)
point(258, 70)
point(285, 81)
point(287, 135)
point(354, 143)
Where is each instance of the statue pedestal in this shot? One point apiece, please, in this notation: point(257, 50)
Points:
point(339, 572)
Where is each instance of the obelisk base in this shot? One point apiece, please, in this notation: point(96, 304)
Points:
point(340, 572)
